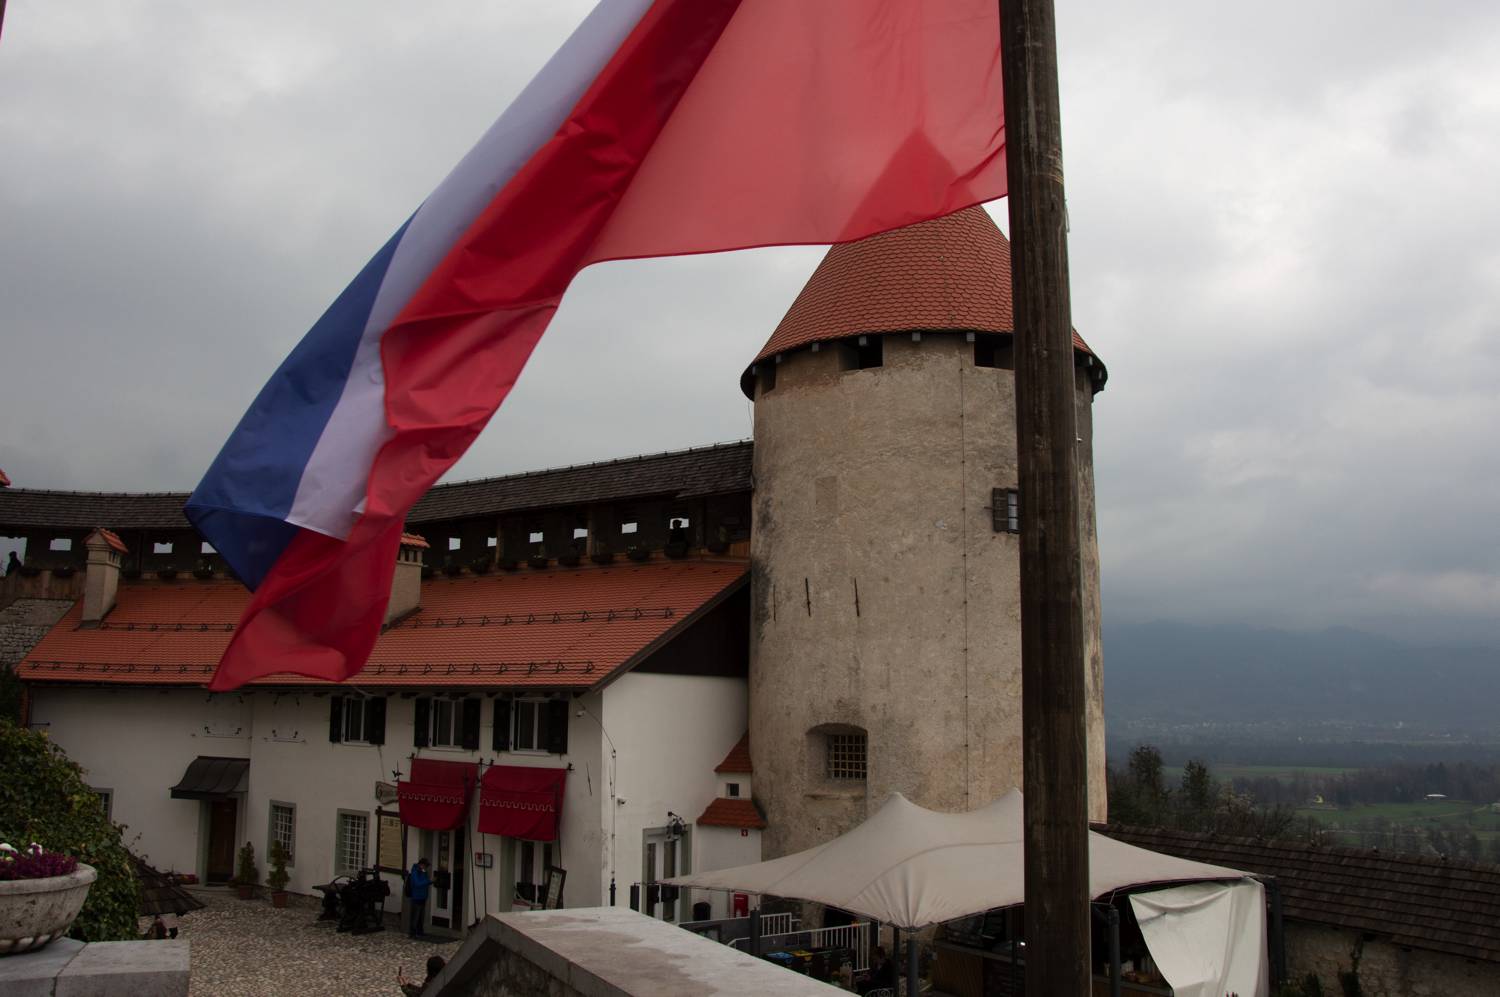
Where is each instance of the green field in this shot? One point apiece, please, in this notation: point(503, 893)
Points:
point(1357, 825)
point(1172, 774)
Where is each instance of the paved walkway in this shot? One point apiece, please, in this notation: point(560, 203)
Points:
point(247, 948)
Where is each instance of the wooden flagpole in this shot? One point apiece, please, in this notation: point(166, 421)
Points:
point(1052, 637)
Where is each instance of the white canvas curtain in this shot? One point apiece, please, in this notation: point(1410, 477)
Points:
point(1208, 939)
point(911, 867)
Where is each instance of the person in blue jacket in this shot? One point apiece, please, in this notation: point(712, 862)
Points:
point(418, 883)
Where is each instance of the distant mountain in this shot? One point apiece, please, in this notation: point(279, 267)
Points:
point(1178, 674)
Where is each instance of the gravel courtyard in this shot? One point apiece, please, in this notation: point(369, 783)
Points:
point(247, 948)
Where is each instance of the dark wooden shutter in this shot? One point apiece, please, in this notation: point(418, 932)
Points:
point(470, 724)
point(335, 718)
point(421, 722)
point(501, 739)
point(557, 726)
point(375, 720)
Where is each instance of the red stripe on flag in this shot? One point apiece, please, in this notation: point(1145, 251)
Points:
point(717, 125)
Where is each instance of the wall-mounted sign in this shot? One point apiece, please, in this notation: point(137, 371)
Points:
point(553, 897)
point(390, 852)
point(385, 792)
point(484, 860)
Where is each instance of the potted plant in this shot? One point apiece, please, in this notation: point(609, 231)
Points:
point(676, 548)
point(204, 571)
point(601, 553)
point(452, 569)
point(639, 553)
point(568, 558)
point(166, 574)
point(538, 561)
point(509, 564)
point(481, 565)
point(279, 877)
point(41, 892)
point(246, 876)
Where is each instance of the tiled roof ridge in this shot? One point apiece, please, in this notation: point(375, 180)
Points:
point(110, 537)
point(613, 462)
point(725, 812)
point(514, 476)
point(738, 759)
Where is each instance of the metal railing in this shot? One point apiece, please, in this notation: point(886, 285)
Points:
point(854, 937)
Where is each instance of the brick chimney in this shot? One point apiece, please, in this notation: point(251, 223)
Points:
point(102, 578)
point(406, 585)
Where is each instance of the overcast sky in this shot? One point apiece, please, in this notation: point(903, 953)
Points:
point(1285, 238)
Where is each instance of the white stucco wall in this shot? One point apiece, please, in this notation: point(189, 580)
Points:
point(724, 848)
point(670, 730)
point(137, 743)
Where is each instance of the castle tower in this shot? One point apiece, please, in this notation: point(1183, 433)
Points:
point(886, 643)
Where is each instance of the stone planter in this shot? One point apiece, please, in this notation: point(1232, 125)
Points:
point(35, 911)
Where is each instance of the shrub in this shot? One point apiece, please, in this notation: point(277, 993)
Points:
point(279, 877)
point(43, 798)
point(245, 873)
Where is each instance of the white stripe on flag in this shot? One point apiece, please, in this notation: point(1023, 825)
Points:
point(331, 492)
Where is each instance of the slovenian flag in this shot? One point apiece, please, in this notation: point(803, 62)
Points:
point(661, 127)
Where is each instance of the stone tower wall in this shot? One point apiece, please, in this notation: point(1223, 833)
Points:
point(883, 598)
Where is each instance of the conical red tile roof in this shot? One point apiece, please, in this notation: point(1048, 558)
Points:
point(948, 273)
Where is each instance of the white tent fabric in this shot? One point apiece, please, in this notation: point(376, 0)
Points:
point(1208, 939)
point(911, 867)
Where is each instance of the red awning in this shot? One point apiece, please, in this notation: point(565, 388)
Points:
point(521, 802)
point(436, 797)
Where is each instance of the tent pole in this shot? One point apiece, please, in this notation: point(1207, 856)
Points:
point(1053, 641)
point(911, 962)
point(1114, 950)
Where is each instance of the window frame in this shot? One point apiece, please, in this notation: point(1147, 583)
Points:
point(354, 712)
point(291, 846)
point(339, 856)
point(538, 710)
point(106, 800)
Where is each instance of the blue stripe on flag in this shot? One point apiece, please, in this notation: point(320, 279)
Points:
point(241, 504)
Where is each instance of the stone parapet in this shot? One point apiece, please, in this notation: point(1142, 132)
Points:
point(69, 968)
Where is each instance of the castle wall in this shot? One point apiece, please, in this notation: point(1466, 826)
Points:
point(883, 598)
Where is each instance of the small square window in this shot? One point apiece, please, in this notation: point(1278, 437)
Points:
point(732, 790)
point(160, 548)
point(535, 536)
point(580, 533)
point(454, 543)
point(846, 756)
point(491, 542)
point(206, 548)
point(60, 543)
point(1005, 510)
point(630, 527)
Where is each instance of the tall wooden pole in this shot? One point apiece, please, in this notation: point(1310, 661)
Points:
point(1052, 637)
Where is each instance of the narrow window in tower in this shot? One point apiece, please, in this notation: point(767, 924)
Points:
point(846, 756)
point(861, 353)
point(766, 372)
point(1005, 510)
point(994, 351)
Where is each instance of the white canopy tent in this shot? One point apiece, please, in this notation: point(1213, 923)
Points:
point(913, 867)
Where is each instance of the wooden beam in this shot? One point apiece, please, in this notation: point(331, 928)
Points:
point(1053, 704)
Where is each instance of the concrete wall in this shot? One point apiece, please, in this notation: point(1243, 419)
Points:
point(670, 730)
point(137, 743)
point(879, 482)
point(1384, 970)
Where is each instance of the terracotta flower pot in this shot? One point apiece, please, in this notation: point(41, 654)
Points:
point(35, 911)
point(244, 891)
point(278, 898)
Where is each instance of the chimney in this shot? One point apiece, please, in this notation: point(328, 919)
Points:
point(406, 584)
point(102, 579)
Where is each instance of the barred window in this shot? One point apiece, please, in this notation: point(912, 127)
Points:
point(353, 842)
point(284, 829)
point(846, 756)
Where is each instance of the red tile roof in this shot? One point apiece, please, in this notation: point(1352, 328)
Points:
point(738, 759)
point(4, 480)
point(110, 537)
point(732, 813)
point(412, 540)
point(948, 273)
point(564, 628)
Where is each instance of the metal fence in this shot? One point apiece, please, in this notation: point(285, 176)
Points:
point(853, 937)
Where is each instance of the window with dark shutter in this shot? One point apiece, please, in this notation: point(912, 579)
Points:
point(471, 724)
point(375, 720)
point(500, 740)
point(557, 727)
point(421, 721)
point(335, 718)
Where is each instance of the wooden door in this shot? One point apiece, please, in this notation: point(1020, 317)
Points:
point(222, 822)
